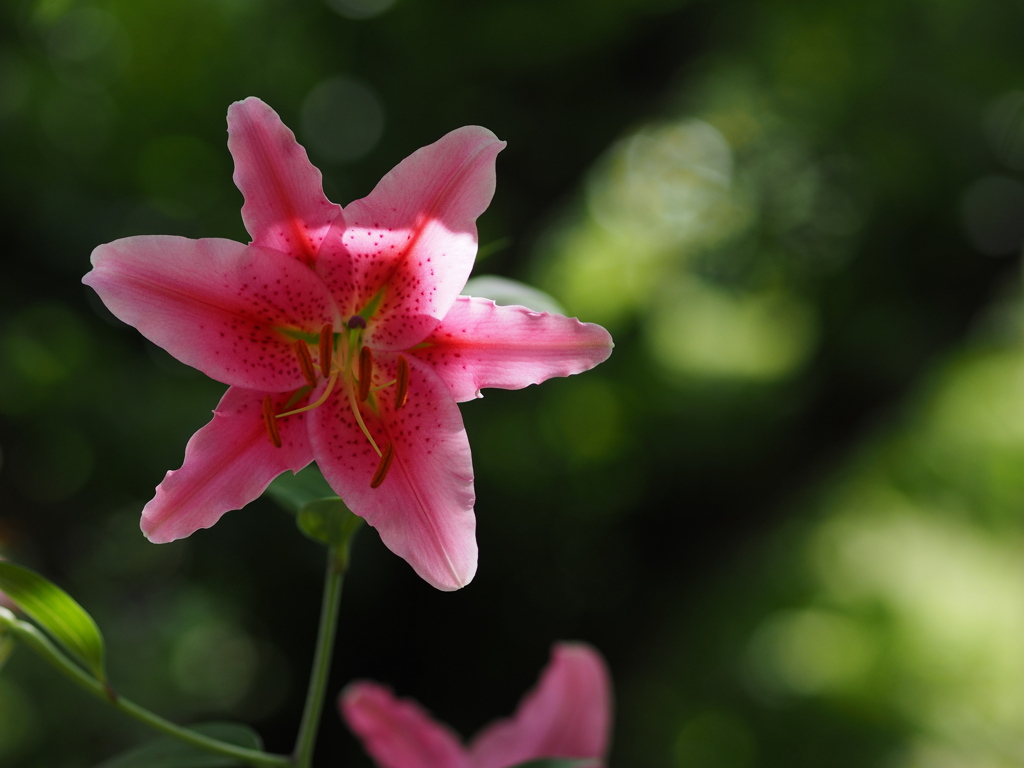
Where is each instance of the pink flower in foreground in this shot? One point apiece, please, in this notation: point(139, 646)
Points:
point(567, 715)
point(342, 337)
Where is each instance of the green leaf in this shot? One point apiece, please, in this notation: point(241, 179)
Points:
point(6, 647)
point(56, 611)
point(503, 291)
point(293, 492)
point(328, 521)
point(166, 752)
point(6, 636)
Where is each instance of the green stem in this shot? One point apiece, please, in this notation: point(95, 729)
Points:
point(39, 643)
point(306, 741)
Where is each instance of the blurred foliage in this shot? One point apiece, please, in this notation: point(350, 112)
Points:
point(788, 509)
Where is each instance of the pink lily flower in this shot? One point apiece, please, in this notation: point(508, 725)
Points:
point(566, 715)
point(342, 337)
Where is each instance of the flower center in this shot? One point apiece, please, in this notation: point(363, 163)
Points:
point(342, 356)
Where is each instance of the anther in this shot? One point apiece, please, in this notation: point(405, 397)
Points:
point(383, 466)
point(305, 362)
point(356, 321)
point(365, 372)
point(401, 382)
point(270, 422)
point(326, 348)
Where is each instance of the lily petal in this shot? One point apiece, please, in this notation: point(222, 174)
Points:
point(568, 714)
point(414, 237)
point(398, 733)
point(285, 206)
point(423, 510)
point(228, 463)
point(480, 344)
point(216, 305)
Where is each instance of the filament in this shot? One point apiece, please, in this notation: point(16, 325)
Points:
point(320, 400)
point(359, 420)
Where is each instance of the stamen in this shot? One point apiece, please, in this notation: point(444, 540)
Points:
point(326, 348)
point(401, 382)
point(305, 362)
point(383, 466)
point(365, 372)
point(270, 422)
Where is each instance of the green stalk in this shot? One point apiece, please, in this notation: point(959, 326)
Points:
point(329, 608)
point(39, 643)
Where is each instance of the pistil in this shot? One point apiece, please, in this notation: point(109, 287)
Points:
point(365, 373)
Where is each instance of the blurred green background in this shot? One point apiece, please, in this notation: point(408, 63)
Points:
point(789, 509)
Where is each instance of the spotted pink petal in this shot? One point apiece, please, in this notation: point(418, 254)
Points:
point(480, 344)
point(423, 510)
point(228, 463)
point(414, 237)
point(285, 206)
point(216, 305)
point(398, 733)
point(567, 715)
